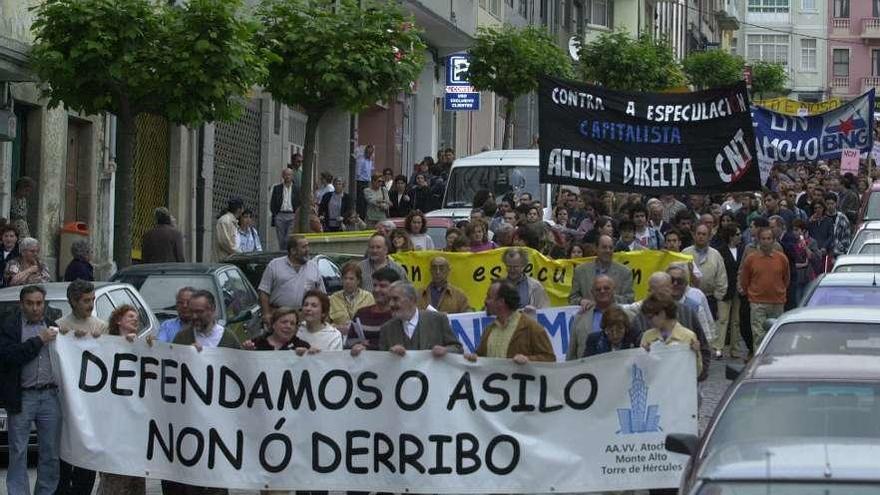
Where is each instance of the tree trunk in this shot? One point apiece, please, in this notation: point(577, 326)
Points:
point(506, 142)
point(308, 171)
point(124, 187)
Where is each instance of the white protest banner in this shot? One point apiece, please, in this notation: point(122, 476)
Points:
point(377, 422)
point(468, 327)
point(849, 161)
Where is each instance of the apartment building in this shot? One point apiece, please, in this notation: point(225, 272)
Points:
point(854, 47)
point(792, 33)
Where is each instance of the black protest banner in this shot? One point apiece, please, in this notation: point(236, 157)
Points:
point(651, 143)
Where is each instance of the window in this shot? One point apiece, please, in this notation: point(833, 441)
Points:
point(841, 9)
point(600, 12)
point(808, 5)
point(875, 70)
point(122, 297)
point(103, 308)
point(236, 293)
point(876, 8)
point(577, 16)
point(808, 54)
point(768, 6)
point(768, 48)
point(840, 62)
point(524, 8)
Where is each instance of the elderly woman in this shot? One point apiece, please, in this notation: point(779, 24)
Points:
point(27, 269)
point(346, 302)
point(125, 322)
point(80, 267)
point(616, 333)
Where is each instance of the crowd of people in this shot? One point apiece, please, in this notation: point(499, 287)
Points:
point(752, 255)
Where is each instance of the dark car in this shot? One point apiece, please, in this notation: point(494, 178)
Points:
point(843, 289)
point(786, 422)
point(254, 264)
point(238, 307)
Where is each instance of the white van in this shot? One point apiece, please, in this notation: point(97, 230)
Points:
point(499, 171)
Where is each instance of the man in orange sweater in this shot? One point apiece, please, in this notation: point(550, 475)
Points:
point(764, 281)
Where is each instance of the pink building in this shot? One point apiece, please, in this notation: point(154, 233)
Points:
point(854, 47)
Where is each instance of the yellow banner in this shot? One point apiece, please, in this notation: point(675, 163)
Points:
point(793, 107)
point(473, 272)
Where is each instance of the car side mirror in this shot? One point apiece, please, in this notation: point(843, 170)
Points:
point(682, 443)
point(242, 316)
point(768, 324)
point(732, 372)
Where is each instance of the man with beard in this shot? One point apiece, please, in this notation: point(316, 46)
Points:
point(412, 329)
point(286, 279)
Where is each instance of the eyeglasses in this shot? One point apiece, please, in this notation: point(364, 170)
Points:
point(678, 281)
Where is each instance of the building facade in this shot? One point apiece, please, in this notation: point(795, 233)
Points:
point(792, 33)
point(853, 52)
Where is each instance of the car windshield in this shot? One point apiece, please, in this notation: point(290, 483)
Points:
point(858, 268)
point(844, 296)
point(160, 290)
point(465, 182)
point(862, 237)
point(809, 337)
point(786, 488)
point(767, 410)
point(57, 308)
point(872, 212)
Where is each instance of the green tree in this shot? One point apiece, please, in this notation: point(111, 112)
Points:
point(332, 54)
point(189, 64)
point(620, 62)
point(769, 78)
point(713, 68)
point(509, 62)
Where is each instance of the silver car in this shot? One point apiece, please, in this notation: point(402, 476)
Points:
point(857, 263)
point(824, 330)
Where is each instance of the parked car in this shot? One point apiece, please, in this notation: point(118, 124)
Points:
point(254, 264)
point(870, 207)
point(790, 424)
point(867, 231)
point(108, 296)
point(857, 263)
point(843, 289)
point(238, 307)
point(824, 330)
point(436, 229)
point(870, 247)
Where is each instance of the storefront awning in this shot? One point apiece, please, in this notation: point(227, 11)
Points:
point(443, 35)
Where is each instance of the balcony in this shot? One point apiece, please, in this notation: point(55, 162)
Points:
point(869, 83)
point(871, 28)
point(840, 86)
point(840, 27)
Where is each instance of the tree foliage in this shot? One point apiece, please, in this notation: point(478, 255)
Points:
point(620, 62)
point(713, 68)
point(509, 61)
point(189, 64)
point(329, 54)
point(768, 78)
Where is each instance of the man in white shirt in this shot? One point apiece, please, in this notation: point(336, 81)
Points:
point(287, 279)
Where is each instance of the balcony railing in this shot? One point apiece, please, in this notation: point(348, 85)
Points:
point(840, 86)
point(870, 82)
point(871, 27)
point(840, 26)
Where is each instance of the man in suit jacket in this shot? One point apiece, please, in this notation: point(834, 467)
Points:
point(283, 205)
point(163, 243)
point(28, 391)
point(513, 335)
point(334, 206)
point(588, 322)
point(584, 275)
point(414, 330)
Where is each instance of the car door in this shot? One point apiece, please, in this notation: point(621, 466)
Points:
point(330, 274)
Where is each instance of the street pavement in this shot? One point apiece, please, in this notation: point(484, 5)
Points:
point(712, 391)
